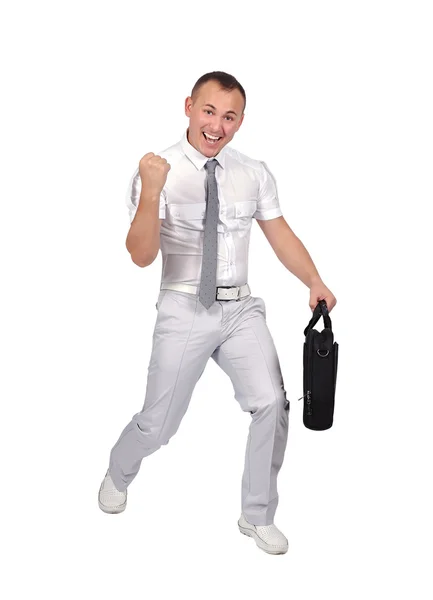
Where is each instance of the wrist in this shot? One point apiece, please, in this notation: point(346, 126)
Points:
point(149, 198)
point(314, 279)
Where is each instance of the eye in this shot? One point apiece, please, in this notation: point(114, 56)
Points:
point(207, 110)
point(231, 118)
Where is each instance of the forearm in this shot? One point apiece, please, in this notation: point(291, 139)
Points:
point(295, 257)
point(143, 238)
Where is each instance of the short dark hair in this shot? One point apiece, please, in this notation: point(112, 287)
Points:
point(226, 81)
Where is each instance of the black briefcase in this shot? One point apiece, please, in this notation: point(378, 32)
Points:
point(320, 371)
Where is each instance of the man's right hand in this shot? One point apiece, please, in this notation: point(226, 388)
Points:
point(153, 172)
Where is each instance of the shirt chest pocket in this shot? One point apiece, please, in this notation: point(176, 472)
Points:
point(191, 215)
point(243, 212)
point(246, 208)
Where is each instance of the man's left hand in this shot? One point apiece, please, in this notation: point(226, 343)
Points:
point(319, 291)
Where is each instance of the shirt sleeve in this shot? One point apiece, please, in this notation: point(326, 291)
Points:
point(268, 205)
point(133, 197)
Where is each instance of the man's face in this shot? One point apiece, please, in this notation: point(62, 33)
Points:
point(216, 112)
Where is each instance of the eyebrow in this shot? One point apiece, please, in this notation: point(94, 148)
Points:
point(229, 111)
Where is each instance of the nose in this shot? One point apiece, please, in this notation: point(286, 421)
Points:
point(215, 131)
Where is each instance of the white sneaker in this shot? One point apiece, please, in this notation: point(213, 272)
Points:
point(267, 537)
point(109, 498)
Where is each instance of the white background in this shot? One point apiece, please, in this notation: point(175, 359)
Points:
point(339, 105)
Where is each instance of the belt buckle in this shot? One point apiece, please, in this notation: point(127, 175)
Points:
point(230, 287)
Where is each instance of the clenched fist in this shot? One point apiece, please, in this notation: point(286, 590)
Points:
point(153, 172)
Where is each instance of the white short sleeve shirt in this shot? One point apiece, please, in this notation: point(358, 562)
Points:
point(246, 189)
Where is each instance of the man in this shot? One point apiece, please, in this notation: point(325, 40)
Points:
point(195, 202)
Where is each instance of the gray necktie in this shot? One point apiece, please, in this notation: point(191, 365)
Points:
point(207, 292)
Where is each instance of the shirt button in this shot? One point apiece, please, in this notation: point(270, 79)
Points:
point(232, 263)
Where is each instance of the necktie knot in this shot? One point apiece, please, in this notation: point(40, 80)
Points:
point(211, 165)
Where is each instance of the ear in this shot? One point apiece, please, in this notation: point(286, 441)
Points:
point(240, 122)
point(188, 104)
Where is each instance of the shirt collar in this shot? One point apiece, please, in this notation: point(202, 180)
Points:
point(197, 158)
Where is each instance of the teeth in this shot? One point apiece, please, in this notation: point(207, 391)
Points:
point(211, 137)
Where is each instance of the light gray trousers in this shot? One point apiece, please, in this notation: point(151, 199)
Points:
point(235, 334)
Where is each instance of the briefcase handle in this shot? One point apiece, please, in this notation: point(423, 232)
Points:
point(320, 310)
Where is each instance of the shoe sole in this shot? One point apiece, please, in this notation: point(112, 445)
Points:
point(260, 543)
point(112, 510)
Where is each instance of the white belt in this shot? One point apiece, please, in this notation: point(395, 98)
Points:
point(222, 293)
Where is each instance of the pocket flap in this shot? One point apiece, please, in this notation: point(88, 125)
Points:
point(245, 208)
point(197, 210)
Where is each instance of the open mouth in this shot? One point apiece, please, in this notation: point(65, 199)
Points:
point(211, 139)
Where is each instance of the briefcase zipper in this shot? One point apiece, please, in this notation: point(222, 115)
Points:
point(308, 394)
point(310, 382)
point(309, 411)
